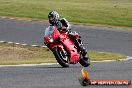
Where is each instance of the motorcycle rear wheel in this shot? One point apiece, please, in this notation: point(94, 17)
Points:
point(85, 61)
point(59, 57)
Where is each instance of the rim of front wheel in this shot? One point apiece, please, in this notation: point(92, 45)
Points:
point(64, 56)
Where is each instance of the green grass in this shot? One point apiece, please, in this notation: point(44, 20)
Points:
point(100, 56)
point(110, 12)
point(18, 54)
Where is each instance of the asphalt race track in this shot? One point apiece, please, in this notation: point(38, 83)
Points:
point(53, 76)
point(94, 38)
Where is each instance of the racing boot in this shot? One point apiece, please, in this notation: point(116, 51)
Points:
point(83, 52)
point(78, 43)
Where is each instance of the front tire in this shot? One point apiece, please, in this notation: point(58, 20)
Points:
point(60, 58)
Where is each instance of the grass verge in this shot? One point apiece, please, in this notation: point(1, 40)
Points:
point(11, 54)
point(110, 12)
point(100, 56)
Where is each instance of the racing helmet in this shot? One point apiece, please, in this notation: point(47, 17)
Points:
point(53, 16)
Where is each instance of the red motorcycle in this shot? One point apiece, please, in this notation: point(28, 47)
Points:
point(63, 48)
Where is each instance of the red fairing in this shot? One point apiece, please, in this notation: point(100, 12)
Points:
point(51, 34)
point(46, 40)
point(55, 34)
point(74, 55)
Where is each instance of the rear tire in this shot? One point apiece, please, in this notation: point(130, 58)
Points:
point(60, 59)
point(85, 61)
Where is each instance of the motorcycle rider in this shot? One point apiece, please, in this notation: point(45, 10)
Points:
point(64, 27)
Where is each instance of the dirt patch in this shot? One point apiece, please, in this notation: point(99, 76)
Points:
point(24, 18)
point(15, 53)
point(11, 53)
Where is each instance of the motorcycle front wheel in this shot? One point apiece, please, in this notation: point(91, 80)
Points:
point(60, 57)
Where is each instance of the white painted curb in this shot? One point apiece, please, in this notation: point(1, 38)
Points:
point(28, 65)
point(2, 42)
point(17, 43)
point(22, 44)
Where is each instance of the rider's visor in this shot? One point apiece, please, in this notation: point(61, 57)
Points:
point(51, 18)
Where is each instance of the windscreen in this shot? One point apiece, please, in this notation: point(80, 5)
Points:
point(49, 30)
